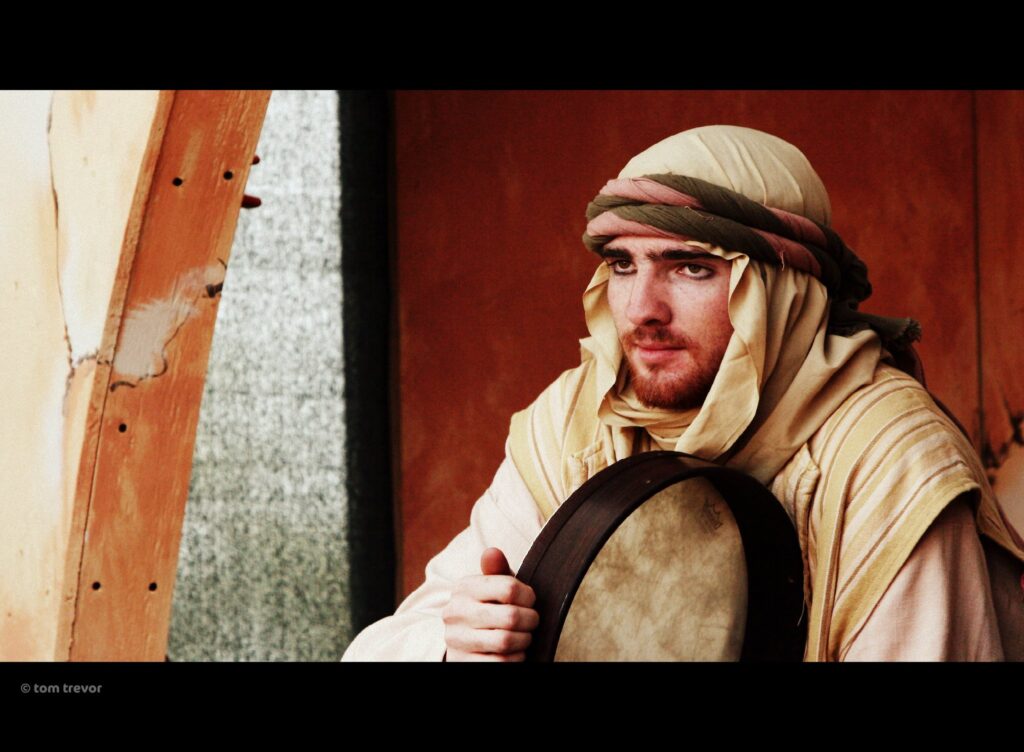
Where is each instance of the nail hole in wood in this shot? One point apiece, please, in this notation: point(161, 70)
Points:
point(177, 181)
point(228, 175)
point(95, 586)
point(152, 586)
point(123, 427)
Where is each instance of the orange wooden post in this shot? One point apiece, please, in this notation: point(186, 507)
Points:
point(135, 463)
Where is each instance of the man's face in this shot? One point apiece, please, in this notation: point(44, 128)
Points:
point(670, 303)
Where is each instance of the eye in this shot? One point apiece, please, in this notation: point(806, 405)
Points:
point(696, 271)
point(620, 266)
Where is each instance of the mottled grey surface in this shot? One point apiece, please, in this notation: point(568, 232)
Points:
point(262, 570)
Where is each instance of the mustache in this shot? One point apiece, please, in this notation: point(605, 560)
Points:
point(643, 336)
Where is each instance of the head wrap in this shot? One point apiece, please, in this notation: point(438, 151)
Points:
point(785, 370)
point(669, 204)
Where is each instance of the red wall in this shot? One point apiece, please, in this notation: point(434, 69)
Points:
point(491, 192)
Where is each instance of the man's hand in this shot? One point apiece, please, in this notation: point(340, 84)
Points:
point(490, 615)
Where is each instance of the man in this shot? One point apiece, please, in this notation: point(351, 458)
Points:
point(724, 324)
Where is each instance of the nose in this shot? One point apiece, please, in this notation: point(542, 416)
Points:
point(647, 300)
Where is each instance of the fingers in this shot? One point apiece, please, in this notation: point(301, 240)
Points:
point(490, 616)
point(501, 616)
point(457, 655)
point(466, 611)
point(488, 627)
point(495, 588)
point(486, 641)
point(493, 561)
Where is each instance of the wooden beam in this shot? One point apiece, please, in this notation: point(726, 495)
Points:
point(134, 475)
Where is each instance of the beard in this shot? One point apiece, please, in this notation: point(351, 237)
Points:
point(668, 386)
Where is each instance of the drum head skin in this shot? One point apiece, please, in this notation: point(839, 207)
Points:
point(667, 557)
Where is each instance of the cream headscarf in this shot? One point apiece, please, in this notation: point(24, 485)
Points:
point(782, 374)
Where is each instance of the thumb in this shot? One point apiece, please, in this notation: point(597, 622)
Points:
point(493, 561)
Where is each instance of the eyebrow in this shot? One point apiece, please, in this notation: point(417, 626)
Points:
point(674, 254)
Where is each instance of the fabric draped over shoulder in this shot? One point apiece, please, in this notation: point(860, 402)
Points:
point(785, 382)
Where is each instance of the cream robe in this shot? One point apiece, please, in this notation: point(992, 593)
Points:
point(939, 607)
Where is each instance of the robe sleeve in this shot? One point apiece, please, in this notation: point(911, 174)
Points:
point(939, 607)
point(505, 517)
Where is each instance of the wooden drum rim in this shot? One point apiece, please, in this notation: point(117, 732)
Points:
point(564, 550)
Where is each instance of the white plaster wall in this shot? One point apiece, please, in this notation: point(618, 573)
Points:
point(33, 374)
point(71, 162)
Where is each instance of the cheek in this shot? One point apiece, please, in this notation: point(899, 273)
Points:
point(723, 324)
point(724, 337)
point(722, 321)
point(711, 309)
point(618, 299)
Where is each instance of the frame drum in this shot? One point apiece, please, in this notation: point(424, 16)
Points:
point(666, 557)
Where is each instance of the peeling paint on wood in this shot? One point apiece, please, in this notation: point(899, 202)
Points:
point(150, 326)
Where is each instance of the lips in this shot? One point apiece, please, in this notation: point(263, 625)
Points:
point(654, 346)
point(656, 352)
